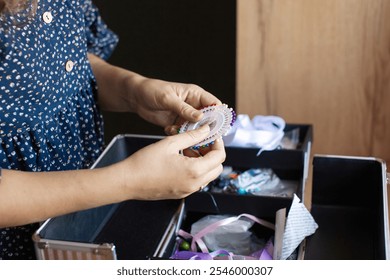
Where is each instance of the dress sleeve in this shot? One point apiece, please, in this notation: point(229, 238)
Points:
point(101, 41)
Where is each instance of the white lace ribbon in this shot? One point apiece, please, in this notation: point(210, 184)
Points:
point(264, 132)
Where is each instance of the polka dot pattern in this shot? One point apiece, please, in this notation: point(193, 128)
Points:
point(49, 118)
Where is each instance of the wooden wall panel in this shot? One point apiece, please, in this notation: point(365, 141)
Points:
point(319, 62)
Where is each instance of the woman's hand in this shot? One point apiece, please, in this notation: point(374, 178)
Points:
point(168, 103)
point(160, 171)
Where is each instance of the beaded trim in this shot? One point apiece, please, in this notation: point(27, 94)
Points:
point(220, 118)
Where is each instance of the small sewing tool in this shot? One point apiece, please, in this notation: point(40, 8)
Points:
point(220, 118)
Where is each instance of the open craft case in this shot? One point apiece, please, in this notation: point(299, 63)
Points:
point(349, 204)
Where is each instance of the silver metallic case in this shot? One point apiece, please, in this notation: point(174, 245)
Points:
point(343, 187)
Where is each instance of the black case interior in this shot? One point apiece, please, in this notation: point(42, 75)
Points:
point(348, 205)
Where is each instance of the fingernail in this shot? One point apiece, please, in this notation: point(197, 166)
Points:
point(196, 114)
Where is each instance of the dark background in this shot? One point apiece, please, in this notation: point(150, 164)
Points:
point(190, 41)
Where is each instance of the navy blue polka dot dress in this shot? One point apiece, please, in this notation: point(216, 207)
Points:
point(49, 119)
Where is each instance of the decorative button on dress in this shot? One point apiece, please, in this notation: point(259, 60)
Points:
point(49, 119)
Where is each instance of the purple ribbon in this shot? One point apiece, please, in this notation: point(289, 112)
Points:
point(264, 254)
point(221, 255)
point(189, 255)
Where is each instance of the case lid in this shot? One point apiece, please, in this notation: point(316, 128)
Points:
point(349, 203)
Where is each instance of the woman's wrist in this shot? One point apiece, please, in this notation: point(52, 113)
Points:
point(134, 86)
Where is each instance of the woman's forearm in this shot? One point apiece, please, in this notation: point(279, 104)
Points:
point(27, 197)
point(114, 85)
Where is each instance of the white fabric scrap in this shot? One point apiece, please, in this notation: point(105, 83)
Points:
point(265, 132)
point(300, 224)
